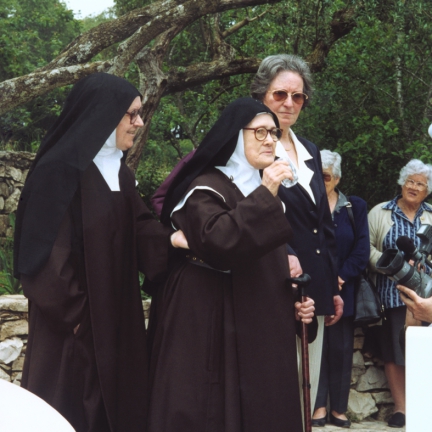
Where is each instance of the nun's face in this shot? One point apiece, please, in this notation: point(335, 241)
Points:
point(125, 132)
point(260, 154)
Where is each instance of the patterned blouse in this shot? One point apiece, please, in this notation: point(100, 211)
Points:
point(402, 226)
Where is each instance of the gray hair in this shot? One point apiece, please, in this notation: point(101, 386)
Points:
point(413, 167)
point(272, 65)
point(332, 160)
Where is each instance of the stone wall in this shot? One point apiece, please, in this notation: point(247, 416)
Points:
point(14, 167)
point(369, 394)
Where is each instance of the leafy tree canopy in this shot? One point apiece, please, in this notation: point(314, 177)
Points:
point(371, 61)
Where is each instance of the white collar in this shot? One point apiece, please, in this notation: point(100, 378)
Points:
point(240, 171)
point(305, 174)
point(108, 162)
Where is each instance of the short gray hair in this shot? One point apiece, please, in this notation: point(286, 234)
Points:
point(332, 160)
point(413, 167)
point(272, 65)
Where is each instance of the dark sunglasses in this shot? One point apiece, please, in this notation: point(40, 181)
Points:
point(134, 114)
point(281, 95)
point(261, 133)
point(327, 177)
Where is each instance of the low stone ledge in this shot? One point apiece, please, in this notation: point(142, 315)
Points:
point(13, 303)
point(13, 328)
point(369, 394)
point(361, 405)
point(10, 349)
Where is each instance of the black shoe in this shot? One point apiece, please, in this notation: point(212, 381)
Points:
point(339, 422)
point(397, 420)
point(320, 421)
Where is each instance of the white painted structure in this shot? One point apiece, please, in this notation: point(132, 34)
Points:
point(418, 379)
point(22, 411)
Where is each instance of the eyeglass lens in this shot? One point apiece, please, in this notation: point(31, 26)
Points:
point(411, 183)
point(327, 177)
point(281, 95)
point(261, 134)
point(135, 113)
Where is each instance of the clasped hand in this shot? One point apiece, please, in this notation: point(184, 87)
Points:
point(305, 311)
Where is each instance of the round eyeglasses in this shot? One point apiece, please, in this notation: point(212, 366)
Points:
point(134, 114)
point(282, 95)
point(261, 133)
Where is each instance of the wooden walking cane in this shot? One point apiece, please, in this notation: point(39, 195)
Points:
point(302, 282)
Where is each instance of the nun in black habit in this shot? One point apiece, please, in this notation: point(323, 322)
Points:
point(82, 234)
point(223, 354)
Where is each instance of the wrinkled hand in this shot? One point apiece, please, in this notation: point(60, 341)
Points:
point(420, 308)
point(294, 266)
point(274, 174)
point(178, 240)
point(340, 282)
point(305, 311)
point(338, 305)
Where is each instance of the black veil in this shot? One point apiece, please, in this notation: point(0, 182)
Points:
point(92, 111)
point(215, 149)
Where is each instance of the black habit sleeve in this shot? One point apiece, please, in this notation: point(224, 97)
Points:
point(56, 290)
point(153, 243)
point(223, 236)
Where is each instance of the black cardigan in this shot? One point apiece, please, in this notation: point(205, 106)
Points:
point(314, 239)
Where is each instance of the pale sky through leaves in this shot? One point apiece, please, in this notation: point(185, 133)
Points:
point(88, 7)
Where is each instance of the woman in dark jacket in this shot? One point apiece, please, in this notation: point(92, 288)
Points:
point(353, 255)
point(284, 83)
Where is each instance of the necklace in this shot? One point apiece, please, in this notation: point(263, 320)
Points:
point(290, 144)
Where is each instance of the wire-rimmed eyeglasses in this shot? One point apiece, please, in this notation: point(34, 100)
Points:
point(282, 95)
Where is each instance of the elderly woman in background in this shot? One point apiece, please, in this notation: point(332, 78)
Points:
point(402, 216)
point(353, 256)
point(284, 83)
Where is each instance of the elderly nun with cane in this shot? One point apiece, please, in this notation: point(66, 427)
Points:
point(223, 353)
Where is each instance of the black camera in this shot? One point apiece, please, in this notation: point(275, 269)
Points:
point(394, 262)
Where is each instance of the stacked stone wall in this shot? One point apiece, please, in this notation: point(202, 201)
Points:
point(14, 168)
point(369, 393)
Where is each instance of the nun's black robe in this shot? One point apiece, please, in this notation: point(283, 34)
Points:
point(97, 378)
point(224, 353)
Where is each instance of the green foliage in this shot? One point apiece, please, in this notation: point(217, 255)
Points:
point(357, 109)
point(373, 99)
point(32, 33)
point(23, 127)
